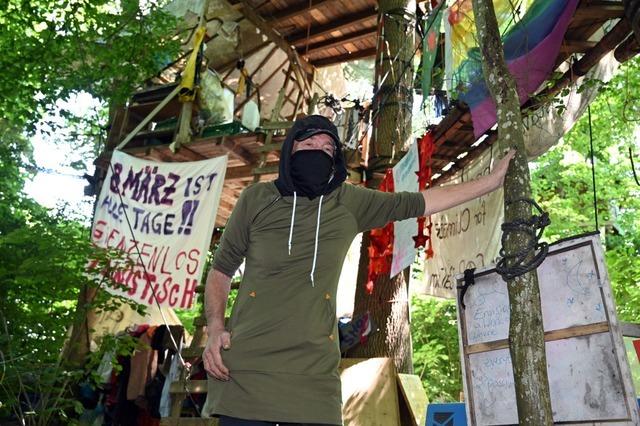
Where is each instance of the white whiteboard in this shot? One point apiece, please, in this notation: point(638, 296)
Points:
point(589, 377)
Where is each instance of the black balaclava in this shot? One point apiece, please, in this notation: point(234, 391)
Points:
point(312, 167)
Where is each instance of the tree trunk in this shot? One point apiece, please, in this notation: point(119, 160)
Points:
point(78, 346)
point(389, 303)
point(526, 335)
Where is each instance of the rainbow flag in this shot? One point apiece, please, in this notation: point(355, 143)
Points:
point(531, 45)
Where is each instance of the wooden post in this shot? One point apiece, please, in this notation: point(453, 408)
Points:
point(526, 334)
point(389, 303)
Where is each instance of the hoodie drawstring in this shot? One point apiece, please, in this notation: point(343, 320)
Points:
point(293, 218)
point(315, 249)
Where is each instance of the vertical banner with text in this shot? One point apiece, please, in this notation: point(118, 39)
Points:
point(405, 179)
point(464, 237)
point(161, 215)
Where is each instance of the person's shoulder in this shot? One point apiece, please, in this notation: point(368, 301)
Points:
point(257, 193)
point(259, 188)
point(351, 194)
point(351, 190)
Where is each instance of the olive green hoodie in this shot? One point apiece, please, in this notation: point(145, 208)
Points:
point(284, 350)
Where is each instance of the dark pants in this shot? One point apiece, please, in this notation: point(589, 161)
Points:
point(234, 421)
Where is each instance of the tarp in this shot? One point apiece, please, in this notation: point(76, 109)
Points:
point(531, 46)
point(546, 125)
point(161, 215)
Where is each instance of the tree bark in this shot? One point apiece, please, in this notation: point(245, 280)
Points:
point(526, 335)
point(389, 303)
point(78, 346)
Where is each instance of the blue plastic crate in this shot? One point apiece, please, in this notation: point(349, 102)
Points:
point(451, 414)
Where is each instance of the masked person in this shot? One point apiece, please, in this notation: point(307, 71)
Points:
point(277, 360)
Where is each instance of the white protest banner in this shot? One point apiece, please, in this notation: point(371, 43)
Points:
point(161, 215)
point(405, 179)
point(463, 237)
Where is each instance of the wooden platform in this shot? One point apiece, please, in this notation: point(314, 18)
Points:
point(455, 141)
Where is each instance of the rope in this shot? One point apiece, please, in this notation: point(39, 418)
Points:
point(469, 280)
point(633, 167)
point(593, 171)
point(514, 265)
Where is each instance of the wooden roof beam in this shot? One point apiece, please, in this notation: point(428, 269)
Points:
point(600, 10)
point(360, 54)
point(338, 41)
point(237, 150)
point(266, 29)
point(299, 9)
point(240, 172)
point(576, 46)
point(298, 39)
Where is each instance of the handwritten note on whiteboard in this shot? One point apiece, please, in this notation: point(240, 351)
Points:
point(589, 376)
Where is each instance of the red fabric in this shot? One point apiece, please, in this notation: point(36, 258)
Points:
point(426, 148)
point(636, 345)
point(380, 242)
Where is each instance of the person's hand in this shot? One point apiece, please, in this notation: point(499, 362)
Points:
point(500, 170)
point(218, 339)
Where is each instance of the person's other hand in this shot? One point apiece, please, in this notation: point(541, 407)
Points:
point(218, 339)
point(500, 170)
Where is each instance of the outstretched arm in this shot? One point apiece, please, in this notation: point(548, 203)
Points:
point(444, 197)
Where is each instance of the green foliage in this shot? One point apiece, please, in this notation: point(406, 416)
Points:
point(44, 255)
point(436, 357)
point(51, 49)
point(562, 183)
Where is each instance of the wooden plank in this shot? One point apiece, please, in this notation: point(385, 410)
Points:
point(245, 171)
point(358, 54)
point(338, 41)
point(298, 39)
point(369, 392)
point(630, 329)
point(276, 125)
point(299, 9)
point(600, 10)
point(148, 118)
point(549, 336)
point(193, 155)
point(267, 30)
point(237, 150)
point(272, 147)
point(576, 46)
point(415, 396)
point(583, 330)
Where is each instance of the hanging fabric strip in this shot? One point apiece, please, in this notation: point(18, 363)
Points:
point(430, 48)
point(187, 83)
